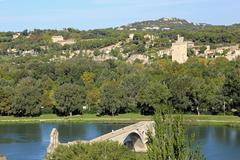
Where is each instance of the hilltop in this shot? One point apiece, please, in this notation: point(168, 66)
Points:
point(164, 24)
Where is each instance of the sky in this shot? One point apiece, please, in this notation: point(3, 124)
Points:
point(17, 15)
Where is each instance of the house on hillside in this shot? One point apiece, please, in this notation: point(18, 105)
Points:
point(60, 40)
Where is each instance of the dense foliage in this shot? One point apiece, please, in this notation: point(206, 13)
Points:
point(199, 86)
point(96, 151)
point(169, 141)
point(32, 84)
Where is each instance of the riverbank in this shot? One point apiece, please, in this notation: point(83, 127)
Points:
point(123, 118)
point(86, 118)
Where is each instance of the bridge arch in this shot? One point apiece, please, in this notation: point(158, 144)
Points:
point(134, 142)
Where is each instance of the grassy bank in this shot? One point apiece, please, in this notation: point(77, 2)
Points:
point(86, 118)
point(212, 120)
point(124, 118)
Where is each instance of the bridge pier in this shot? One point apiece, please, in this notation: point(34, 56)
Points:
point(54, 142)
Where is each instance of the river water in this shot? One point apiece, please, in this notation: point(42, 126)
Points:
point(30, 141)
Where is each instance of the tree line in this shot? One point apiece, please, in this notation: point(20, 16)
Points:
point(31, 87)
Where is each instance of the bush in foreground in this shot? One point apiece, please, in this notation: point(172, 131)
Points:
point(96, 151)
point(170, 142)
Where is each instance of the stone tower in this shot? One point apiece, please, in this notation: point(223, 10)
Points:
point(179, 50)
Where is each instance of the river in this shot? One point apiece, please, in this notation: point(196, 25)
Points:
point(30, 141)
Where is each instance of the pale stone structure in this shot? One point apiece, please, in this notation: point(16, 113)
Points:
point(61, 41)
point(230, 52)
point(54, 142)
point(151, 28)
point(190, 44)
point(134, 57)
point(108, 49)
point(131, 36)
point(135, 137)
point(149, 37)
point(234, 55)
point(120, 29)
point(104, 57)
point(133, 29)
point(166, 52)
point(2, 157)
point(179, 50)
point(68, 42)
point(166, 29)
point(149, 40)
point(15, 36)
point(57, 39)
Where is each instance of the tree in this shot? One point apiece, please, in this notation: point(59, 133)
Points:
point(112, 97)
point(88, 79)
point(48, 90)
point(93, 99)
point(203, 49)
point(25, 32)
point(132, 84)
point(231, 90)
point(169, 140)
point(188, 93)
point(154, 95)
point(70, 98)
point(6, 95)
point(27, 98)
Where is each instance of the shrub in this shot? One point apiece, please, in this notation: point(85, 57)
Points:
point(107, 150)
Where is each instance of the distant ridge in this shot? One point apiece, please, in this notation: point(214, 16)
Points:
point(165, 23)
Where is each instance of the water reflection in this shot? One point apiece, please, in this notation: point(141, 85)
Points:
point(20, 133)
point(227, 136)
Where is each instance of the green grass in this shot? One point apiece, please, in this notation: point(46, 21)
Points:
point(123, 118)
point(48, 118)
point(212, 120)
point(141, 156)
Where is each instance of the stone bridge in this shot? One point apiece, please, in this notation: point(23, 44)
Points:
point(135, 137)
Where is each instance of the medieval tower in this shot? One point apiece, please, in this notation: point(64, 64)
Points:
point(179, 50)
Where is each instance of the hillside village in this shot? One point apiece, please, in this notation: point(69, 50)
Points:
point(142, 41)
point(178, 52)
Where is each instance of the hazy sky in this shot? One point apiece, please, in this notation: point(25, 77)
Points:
point(89, 14)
